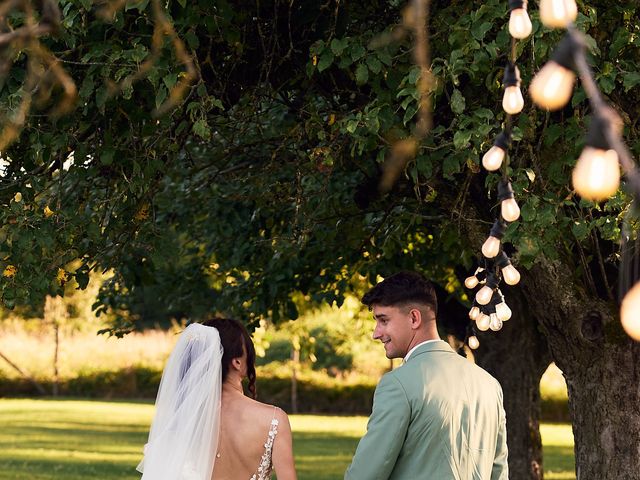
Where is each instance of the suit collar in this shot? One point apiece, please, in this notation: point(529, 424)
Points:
point(437, 346)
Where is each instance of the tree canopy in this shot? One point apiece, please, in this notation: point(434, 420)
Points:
point(263, 179)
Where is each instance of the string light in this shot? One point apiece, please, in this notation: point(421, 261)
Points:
point(630, 312)
point(492, 160)
point(519, 22)
point(491, 246)
point(509, 207)
point(485, 294)
point(558, 13)
point(596, 175)
point(473, 281)
point(502, 309)
point(510, 275)
point(495, 323)
point(483, 322)
point(552, 86)
point(512, 101)
point(472, 339)
point(489, 309)
point(473, 342)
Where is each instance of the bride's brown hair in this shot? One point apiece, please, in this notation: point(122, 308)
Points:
point(233, 335)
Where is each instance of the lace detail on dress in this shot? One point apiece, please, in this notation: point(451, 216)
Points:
point(264, 469)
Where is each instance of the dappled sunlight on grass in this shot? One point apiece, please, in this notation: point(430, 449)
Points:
point(70, 439)
point(558, 452)
point(74, 440)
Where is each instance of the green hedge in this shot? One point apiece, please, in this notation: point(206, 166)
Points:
point(331, 396)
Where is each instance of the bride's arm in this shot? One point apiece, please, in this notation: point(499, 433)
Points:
point(282, 455)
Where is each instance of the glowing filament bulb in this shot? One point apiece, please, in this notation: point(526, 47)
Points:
point(510, 275)
point(630, 312)
point(483, 322)
point(483, 297)
point(474, 313)
point(519, 23)
point(558, 13)
point(492, 160)
point(510, 210)
point(512, 101)
point(491, 247)
point(503, 311)
point(495, 323)
point(473, 342)
point(552, 87)
point(596, 176)
point(471, 282)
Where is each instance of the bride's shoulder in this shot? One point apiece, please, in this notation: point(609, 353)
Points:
point(266, 410)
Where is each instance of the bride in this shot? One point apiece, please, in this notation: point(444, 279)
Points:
point(205, 427)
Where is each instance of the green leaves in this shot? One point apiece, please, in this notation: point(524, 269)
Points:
point(457, 102)
point(630, 80)
point(362, 74)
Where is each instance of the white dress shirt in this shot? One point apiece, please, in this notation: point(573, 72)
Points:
point(406, 357)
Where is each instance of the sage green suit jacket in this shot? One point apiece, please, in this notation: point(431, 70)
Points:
point(437, 417)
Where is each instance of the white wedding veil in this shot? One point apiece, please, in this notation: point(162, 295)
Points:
point(183, 439)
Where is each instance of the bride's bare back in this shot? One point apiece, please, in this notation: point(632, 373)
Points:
point(244, 434)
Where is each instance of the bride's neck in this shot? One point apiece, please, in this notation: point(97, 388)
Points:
point(233, 385)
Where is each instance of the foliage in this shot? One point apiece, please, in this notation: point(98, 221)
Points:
point(336, 341)
point(263, 181)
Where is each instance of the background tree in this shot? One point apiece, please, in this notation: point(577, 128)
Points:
point(263, 183)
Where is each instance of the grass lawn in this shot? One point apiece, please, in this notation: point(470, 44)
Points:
point(76, 439)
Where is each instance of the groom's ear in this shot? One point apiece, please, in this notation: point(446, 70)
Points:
point(416, 318)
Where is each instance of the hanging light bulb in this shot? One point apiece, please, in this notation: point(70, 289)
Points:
point(495, 323)
point(475, 279)
point(509, 207)
point(473, 342)
point(471, 282)
point(492, 160)
point(491, 246)
point(512, 101)
point(558, 13)
point(474, 313)
point(596, 175)
point(502, 309)
point(630, 312)
point(485, 294)
point(483, 297)
point(519, 22)
point(510, 275)
point(552, 86)
point(483, 322)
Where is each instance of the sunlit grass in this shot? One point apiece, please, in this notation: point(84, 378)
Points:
point(559, 460)
point(73, 439)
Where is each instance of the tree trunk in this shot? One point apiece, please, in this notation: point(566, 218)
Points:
point(295, 362)
point(517, 356)
point(55, 311)
point(602, 368)
point(604, 401)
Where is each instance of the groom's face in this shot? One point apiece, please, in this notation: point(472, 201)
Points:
point(393, 329)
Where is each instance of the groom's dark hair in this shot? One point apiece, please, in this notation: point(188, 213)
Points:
point(401, 289)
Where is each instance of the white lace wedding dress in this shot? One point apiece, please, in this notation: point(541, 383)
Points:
point(264, 469)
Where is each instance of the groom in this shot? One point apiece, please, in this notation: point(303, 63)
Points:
point(438, 416)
